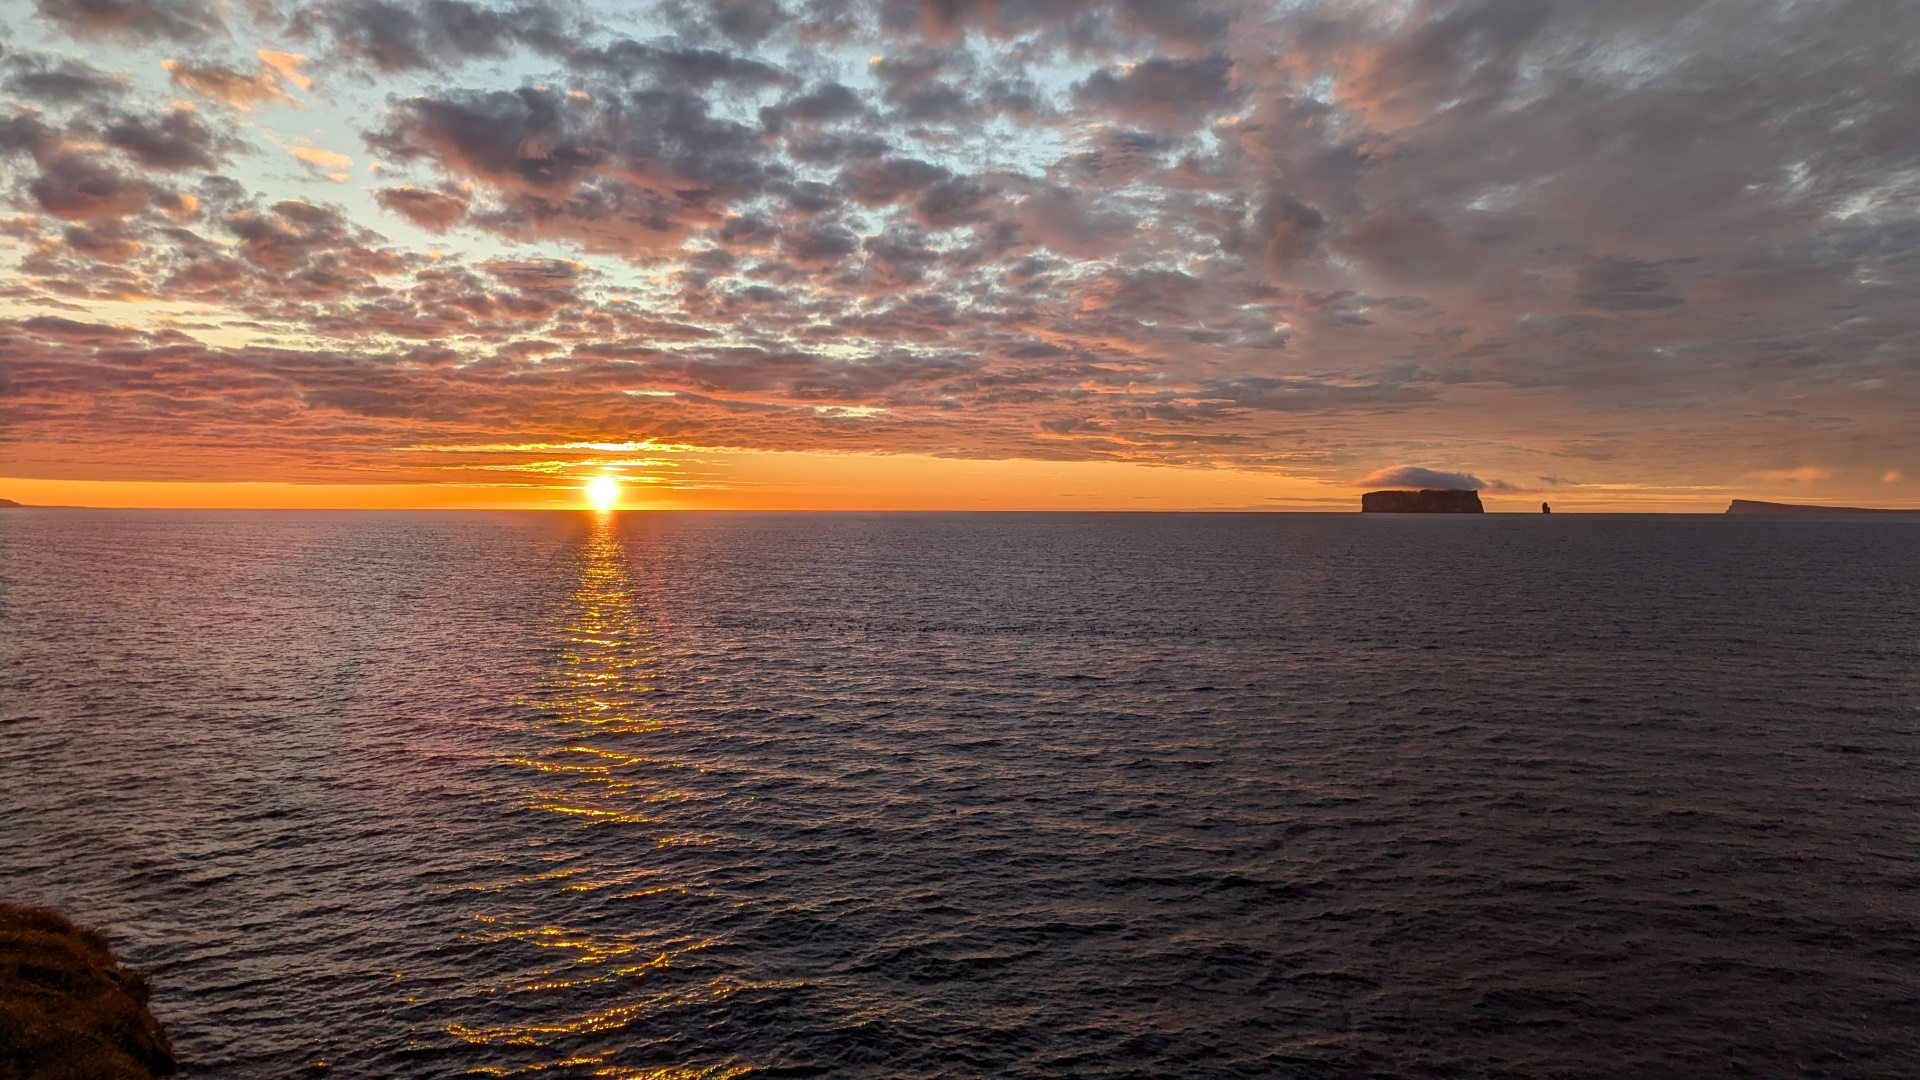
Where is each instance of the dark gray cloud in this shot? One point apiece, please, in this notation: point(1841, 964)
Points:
point(177, 20)
point(395, 37)
point(820, 104)
point(680, 66)
point(57, 80)
point(747, 22)
point(1618, 283)
point(27, 132)
point(1283, 229)
point(80, 187)
point(1080, 24)
point(1164, 93)
point(171, 142)
point(924, 88)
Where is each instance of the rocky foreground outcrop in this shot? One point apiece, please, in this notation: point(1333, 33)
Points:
point(68, 1010)
point(1424, 501)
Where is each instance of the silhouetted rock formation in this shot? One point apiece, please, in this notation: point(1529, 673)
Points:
point(67, 1007)
point(1424, 501)
point(5, 503)
point(1749, 506)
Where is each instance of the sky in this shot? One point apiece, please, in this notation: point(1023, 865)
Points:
point(921, 254)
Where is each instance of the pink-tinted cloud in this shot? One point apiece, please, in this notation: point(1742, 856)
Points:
point(240, 89)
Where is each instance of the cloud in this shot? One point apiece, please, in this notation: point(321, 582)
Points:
point(1617, 283)
point(699, 68)
point(287, 65)
point(330, 163)
point(1805, 474)
point(171, 142)
point(77, 187)
point(397, 37)
point(1164, 93)
point(1284, 229)
point(1078, 24)
point(57, 80)
point(1418, 476)
point(178, 20)
point(240, 90)
point(822, 104)
point(632, 173)
point(437, 211)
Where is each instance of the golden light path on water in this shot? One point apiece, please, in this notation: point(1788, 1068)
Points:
point(592, 773)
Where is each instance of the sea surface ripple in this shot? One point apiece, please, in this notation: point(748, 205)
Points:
point(920, 795)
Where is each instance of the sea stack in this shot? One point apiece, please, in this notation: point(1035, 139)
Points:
point(1424, 501)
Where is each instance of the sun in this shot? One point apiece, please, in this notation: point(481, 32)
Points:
point(603, 492)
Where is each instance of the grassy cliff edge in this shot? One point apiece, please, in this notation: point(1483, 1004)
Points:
point(68, 1010)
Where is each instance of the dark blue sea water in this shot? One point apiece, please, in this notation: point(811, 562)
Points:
point(979, 795)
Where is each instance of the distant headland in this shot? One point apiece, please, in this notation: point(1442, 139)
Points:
point(1750, 506)
point(9, 504)
point(1424, 501)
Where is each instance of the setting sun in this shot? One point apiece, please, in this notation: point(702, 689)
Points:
point(603, 492)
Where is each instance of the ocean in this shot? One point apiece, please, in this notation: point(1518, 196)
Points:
point(996, 795)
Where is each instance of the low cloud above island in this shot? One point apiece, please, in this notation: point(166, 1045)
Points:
point(281, 242)
point(1416, 476)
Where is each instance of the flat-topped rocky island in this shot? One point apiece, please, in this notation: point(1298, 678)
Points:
point(1423, 501)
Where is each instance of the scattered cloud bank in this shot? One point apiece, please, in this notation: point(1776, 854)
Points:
point(1544, 238)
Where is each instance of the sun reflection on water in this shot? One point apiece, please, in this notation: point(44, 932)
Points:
point(593, 766)
point(601, 689)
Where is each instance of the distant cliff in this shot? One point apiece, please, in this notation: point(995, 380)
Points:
point(1424, 501)
point(67, 1007)
point(1749, 506)
point(5, 503)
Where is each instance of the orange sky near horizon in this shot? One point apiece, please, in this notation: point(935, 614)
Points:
point(800, 481)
